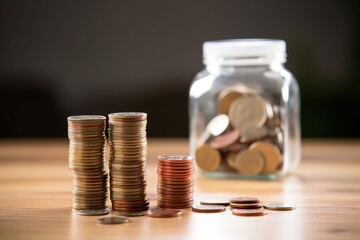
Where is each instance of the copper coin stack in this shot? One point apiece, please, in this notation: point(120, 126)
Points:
point(175, 181)
point(128, 147)
point(86, 162)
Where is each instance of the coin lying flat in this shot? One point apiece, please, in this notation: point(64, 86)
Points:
point(244, 200)
point(208, 208)
point(249, 212)
point(249, 162)
point(271, 154)
point(113, 220)
point(246, 205)
point(278, 206)
point(215, 201)
point(162, 213)
point(130, 214)
point(207, 158)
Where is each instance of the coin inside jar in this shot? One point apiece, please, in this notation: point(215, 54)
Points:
point(218, 124)
point(249, 162)
point(207, 158)
point(225, 99)
point(248, 112)
point(271, 154)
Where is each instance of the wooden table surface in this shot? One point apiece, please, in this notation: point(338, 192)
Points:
point(35, 197)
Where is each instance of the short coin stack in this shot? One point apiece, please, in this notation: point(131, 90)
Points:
point(247, 206)
point(175, 181)
point(128, 147)
point(86, 161)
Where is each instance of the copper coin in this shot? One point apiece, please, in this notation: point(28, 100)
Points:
point(245, 200)
point(278, 206)
point(249, 212)
point(246, 205)
point(162, 213)
point(225, 139)
point(215, 201)
point(208, 208)
point(130, 214)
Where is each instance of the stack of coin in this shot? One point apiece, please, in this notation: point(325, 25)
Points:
point(128, 147)
point(245, 203)
point(175, 181)
point(86, 161)
point(245, 137)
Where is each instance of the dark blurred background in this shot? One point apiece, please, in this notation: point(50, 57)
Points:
point(61, 58)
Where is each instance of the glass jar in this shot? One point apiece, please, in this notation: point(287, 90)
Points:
point(244, 111)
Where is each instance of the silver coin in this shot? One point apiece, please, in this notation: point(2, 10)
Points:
point(113, 220)
point(218, 124)
point(93, 212)
point(279, 206)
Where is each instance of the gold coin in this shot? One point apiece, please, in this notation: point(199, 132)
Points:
point(248, 112)
point(271, 154)
point(207, 158)
point(225, 99)
point(249, 162)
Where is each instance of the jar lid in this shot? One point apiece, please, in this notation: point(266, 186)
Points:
point(244, 51)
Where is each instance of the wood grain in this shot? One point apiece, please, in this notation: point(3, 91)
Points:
point(35, 197)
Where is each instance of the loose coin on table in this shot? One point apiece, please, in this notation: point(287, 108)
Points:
point(130, 214)
point(278, 206)
point(245, 200)
point(208, 208)
point(162, 213)
point(215, 201)
point(246, 205)
point(113, 220)
point(249, 212)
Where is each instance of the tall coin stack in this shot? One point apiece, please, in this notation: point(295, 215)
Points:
point(175, 181)
point(128, 147)
point(86, 162)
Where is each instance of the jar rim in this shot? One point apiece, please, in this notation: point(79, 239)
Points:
point(244, 51)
